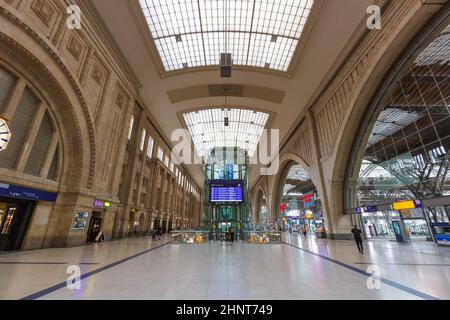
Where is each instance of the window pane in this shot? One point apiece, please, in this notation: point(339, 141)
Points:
point(130, 129)
point(20, 124)
point(142, 143)
point(151, 142)
point(40, 147)
point(6, 84)
point(52, 172)
point(160, 154)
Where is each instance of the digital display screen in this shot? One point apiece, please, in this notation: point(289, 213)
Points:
point(226, 191)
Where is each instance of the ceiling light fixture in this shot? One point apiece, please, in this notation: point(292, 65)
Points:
point(226, 62)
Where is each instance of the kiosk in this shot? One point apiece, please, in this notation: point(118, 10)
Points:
point(441, 233)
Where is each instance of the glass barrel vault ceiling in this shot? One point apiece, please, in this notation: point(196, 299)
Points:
point(208, 128)
point(258, 33)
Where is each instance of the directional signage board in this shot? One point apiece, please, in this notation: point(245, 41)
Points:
point(226, 191)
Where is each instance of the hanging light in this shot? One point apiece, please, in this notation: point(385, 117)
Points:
point(226, 61)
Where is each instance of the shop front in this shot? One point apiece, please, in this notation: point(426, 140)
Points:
point(409, 222)
point(380, 225)
point(17, 205)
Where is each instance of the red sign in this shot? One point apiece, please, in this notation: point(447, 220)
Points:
point(282, 207)
point(307, 196)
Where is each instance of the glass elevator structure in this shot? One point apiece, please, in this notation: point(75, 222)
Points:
point(226, 199)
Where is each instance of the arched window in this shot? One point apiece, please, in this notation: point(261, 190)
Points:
point(130, 129)
point(405, 153)
point(40, 148)
point(150, 145)
point(7, 81)
point(33, 148)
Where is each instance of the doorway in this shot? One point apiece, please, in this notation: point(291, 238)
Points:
point(94, 227)
point(15, 217)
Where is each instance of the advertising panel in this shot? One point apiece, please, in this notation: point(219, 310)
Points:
point(80, 220)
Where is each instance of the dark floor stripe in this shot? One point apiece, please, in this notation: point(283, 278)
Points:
point(21, 262)
point(383, 280)
point(45, 263)
point(408, 264)
point(62, 285)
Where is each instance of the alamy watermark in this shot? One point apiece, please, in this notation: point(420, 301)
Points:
point(74, 19)
point(74, 280)
point(374, 19)
point(374, 279)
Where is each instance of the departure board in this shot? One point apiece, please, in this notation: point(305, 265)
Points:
point(226, 191)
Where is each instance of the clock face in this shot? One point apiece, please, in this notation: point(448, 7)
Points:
point(5, 134)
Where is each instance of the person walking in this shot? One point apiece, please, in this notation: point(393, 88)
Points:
point(357, 234)
point(305, 230)
point(159, 233)
point(232, 234)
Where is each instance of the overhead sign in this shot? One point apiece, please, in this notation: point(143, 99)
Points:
point(402, 205)
point(307, 197)
point(226, 191)
point(366, 209)
point(102, 204)
point(412, 213)
point(19, 192)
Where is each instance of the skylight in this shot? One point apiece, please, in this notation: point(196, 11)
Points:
point(209, 128)
point(258, 33)
point(389, 122)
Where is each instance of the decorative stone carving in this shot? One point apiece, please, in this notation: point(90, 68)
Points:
point(75, 47)
point(97, 74)
point(120, 99)
point(44, 10)
point(330, 111)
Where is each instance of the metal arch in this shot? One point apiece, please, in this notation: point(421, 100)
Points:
point(425, 37)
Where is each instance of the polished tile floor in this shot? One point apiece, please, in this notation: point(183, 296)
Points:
point(302, 268)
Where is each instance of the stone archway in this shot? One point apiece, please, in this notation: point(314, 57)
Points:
point(260, 201)
point(78, 161)
point(286, 159)
point(33, 62)
point(296, 190)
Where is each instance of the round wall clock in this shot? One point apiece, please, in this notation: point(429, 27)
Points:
point(5, 134)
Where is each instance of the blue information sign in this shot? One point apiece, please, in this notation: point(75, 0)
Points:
point(19, 192)
point(226, 191)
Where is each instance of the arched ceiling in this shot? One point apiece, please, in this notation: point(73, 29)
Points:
point(325, 41)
